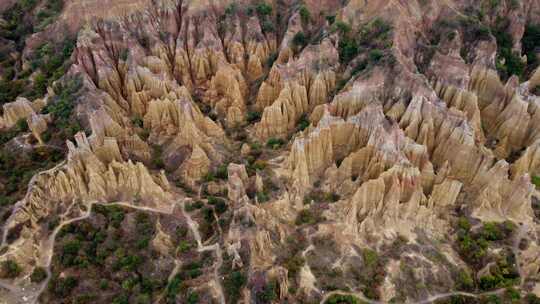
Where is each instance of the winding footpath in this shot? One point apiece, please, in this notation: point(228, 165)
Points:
point(515, 249)
point(13, 294)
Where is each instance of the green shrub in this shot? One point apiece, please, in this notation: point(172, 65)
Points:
point(191, 206)
point(348, 50)
point(222, 172)
point(512, 294)
point(532, 299)
point(103, 284)
point(305, 15)
point(120, 299)
point(306, 216)
point(492, 232)
point(529, 44)
point(502, 274)
point(193, 298)
point(268, 26)
point(174, 287)
point(331, 197)
point(234, 283)
point(275, 143)
point(263, 9)
point(22, 125)
point(463, 223)
point(375, 55)
point(303, 123)
point(10, 269)
point(271, 59)
point(331, 19)
point(342, 27)
point(268, 294)
point(184, 246)
point(253, 116)
point(262, 197)
point(137, 121)
point(38, 275)
point(535, 180)
point(464, 281)
point(62, 287)
point(370, 257)
point(342, 299)
point(299, 40)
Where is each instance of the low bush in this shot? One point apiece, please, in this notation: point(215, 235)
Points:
point(233, 283)
point(253, 116)
point(275, 143)
point(342, 299)
point(306, 216)
point(9, 269)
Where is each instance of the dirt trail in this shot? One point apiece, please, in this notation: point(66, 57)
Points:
point(515, 249)
point(12, 294)
point(194, 227)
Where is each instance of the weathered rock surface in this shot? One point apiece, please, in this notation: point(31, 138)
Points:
point(296, 165)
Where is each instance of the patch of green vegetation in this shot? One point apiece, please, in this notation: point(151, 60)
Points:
point(269, 293)
point(219, 204)
point(233, 283)
point(9, 269)
point(300, 40)
point(271, 59)
point(502, 274)
point(529, 45)
point(253, 116)
point(62, 287)
point(532, 299)
point(464, 281)
point(262, 197)
point(308, 217)
point(342, 299)
point(114, 251)
point(508, 62)
point(48, 14)
point(50, 61)
point(16, 170)
point(303, 123)
point(373, 39)
point(275, 143)
point(174, 287)
point(370, 257)
point(62, 105)
point(473, 247)
point(38, 275)
point(305, 14)
point(535, 179)
point(319, 196)
point(20, 127)
point(193, 206)
point(137, 121)
point(220, 173)
point(184, 246)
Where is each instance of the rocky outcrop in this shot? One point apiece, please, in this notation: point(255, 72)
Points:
point(394, 203)
point(94, 172)
point(406, 139)
point(295, 88)
point(227, 95)
point(21, 108)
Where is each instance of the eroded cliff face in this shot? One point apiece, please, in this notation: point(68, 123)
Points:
point(380, 150)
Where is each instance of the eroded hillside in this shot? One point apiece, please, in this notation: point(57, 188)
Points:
point(277, 151)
